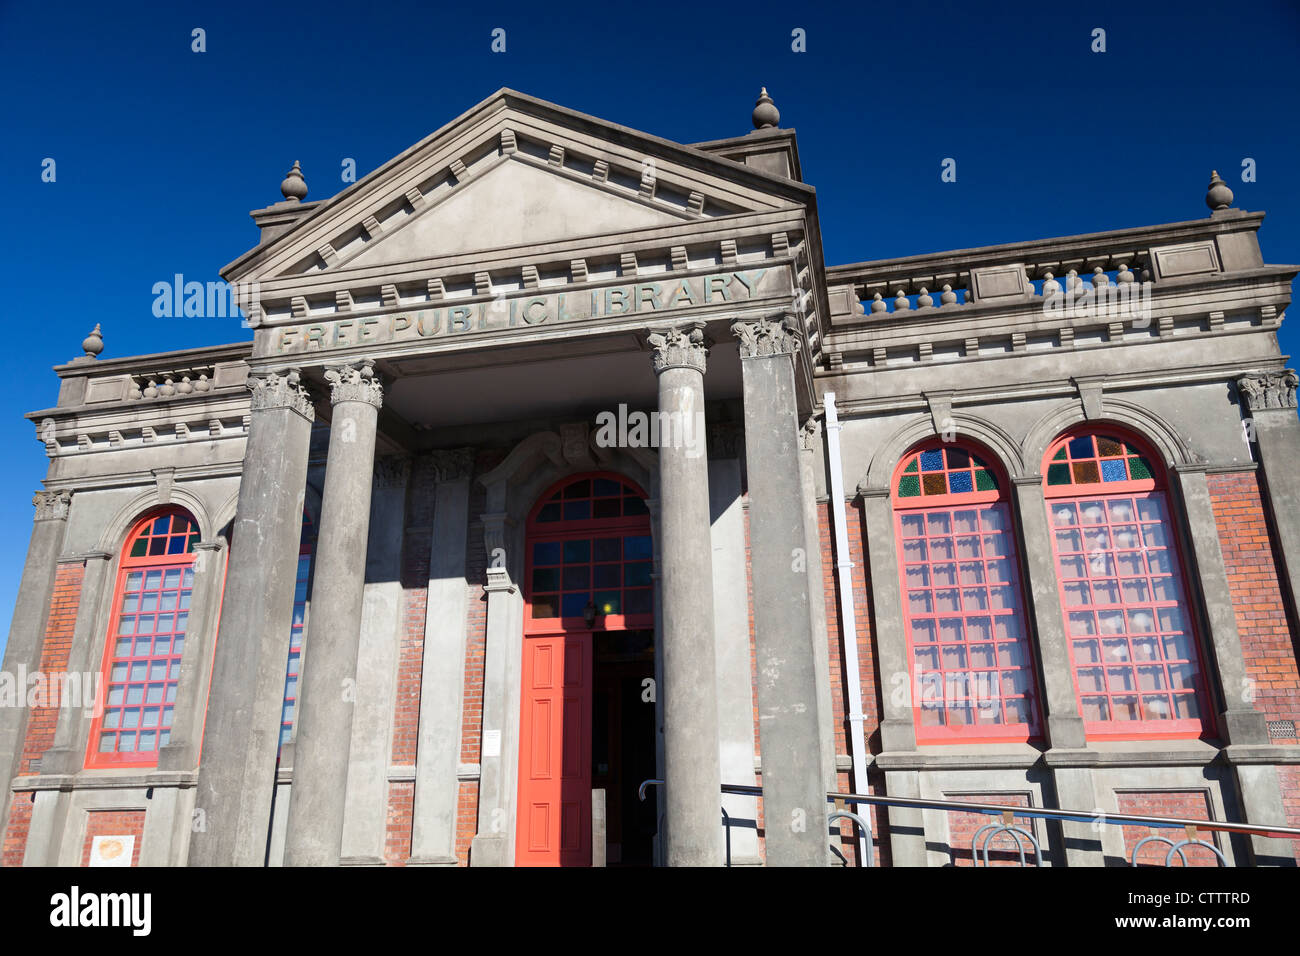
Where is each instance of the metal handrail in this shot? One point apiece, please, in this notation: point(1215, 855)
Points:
point(1032, 813)
point(1044, 813)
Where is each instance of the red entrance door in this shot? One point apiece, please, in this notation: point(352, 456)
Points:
point(555, 761)
point(588, 568)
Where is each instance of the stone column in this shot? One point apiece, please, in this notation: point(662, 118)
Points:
point(242, 731)
point(329, 665)
point(442, 673)
point(26, 632)
point(1059, 707)
point(1269, 399)
point(692, 775)
point(794, 780)
point(809, 460)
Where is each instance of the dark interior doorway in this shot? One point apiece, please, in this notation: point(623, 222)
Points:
point(623, 742)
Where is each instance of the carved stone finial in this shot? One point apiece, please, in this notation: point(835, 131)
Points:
point(679, 348)
point(766, 115)
point(52, 505)
point(355, 382)
point(294, 187)
point(1218, 196)
point(764, 337)
point(279, 390)
point(1263, 390)
point(93, 343)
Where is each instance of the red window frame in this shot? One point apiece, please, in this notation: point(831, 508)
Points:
point(297, 630)
point(1139, 648)
point(923, 497)
point(154, 583)
point(554, 521)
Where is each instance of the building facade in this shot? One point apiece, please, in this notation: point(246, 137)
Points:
point(560, 461)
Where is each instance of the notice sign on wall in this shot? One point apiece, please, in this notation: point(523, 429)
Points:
point(111, 850)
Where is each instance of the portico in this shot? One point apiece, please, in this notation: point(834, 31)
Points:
point(426, 339)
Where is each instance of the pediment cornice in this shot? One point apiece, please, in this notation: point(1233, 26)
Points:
point(674, 182)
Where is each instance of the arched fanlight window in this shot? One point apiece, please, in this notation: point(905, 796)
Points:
point(972, 670)
point(146, 638)
point(589, 544)
point(1136, 659)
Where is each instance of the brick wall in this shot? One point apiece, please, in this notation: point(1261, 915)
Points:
point(20, 820)
point(1288, 779)
point(113, 823)
point(1267, 643)
point(962, 828)
point(42, 721)
point(1189, 804)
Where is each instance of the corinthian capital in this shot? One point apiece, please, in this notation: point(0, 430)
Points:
point(679, 348)
point(280, 390)
point(51, 505)
point(452, 464)
point(355, 382)
point(1269, 389)
point(764, 337)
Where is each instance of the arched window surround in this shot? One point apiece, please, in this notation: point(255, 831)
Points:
point(980, 650)
point(1122, 497)
point(140, 667)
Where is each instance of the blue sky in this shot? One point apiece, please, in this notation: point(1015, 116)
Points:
point(161, 151)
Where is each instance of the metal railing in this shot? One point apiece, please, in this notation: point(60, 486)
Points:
point(984, 836)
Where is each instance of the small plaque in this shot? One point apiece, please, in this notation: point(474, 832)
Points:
point(111, 850)
point(491, 743)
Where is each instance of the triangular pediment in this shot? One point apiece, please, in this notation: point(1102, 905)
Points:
point(513, 203)
point(514, 172)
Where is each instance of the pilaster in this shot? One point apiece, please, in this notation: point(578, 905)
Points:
point(442, 680)
point(27, 629)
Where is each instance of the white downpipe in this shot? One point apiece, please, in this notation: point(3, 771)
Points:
point(848, 617)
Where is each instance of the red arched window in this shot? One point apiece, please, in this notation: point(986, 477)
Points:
point(298, 627)
point(146, 638)
point(589, 541)
point(1136, 660)
point(972, 670)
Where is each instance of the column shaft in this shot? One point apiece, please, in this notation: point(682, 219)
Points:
point(329, 663)
point(794, 779)
point(242, 731)
point(692, 775)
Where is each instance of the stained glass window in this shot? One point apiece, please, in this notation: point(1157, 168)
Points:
point(944, 470)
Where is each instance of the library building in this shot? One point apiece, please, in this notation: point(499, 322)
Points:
point(560, 505)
